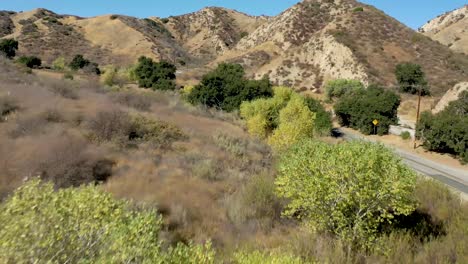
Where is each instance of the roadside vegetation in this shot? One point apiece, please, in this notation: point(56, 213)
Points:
point(359, 108)
point(230, 170)
point(447, 131)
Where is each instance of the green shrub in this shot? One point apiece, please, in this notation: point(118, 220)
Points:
point(79, 62)
point(8, 47)
point(358, 9)
point(84, 225)
point(446, 131)
point(338, 88)
point(257, 257)
point(30, 61)
point(244, 34)
point(323, 120)
point(347, 189)
point(359, 108)
point(155, 75)
point(165, 20)
point(59, 64)
point(405, 135)
point(411, 78)
point(296, 122)
point(112, 75)
point(283, 119)
point(226, 88)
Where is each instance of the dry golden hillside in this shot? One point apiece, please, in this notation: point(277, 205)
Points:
point(306, 45)
point(450, 29)
point(317, 40)
point(212, 31)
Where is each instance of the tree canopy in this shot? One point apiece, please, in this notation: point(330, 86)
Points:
point(411, 78)
point(226, 88)
point(8, 47)
point(447, 131)
point(155, 75)
point(84, 225)
point(347, 189)
point(283, 119)
point(359, 108)
point(30, 61)
point(338, 88)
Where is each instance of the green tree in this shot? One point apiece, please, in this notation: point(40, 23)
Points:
point(338, 88)
point(446, 131)
point(155, 75)
point(359, 108)
point(347, 189)
point(296, 122)
point(84, 225)
point(8, 47)
point(323, 120)
point(226, 88)
point(411, 78)
point(79, 62)
point(283, 119)
point(30, 61)
point(262, 115)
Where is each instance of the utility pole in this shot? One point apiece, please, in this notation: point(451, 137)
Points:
point(417, 115)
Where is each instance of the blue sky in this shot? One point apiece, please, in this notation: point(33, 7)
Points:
point(413, 13)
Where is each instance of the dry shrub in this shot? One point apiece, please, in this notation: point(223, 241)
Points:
point(255, 204)
point(208, 169)
point(111, 125)
point(28, 125)
point(63, 89)
point(135, 100)
point(126, 130)
point(69, 161)
point(53, 115)
point(8, 105)
point(235, 146)
point(157, 133)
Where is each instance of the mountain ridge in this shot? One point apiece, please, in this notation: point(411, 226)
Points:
point(303, 47)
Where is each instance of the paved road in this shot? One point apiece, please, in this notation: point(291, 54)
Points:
point(454, 178)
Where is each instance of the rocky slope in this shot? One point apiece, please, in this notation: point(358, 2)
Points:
point(450, 29)
point(317, 40)
point(450, 96)
point(211, 31)
point(306, 45)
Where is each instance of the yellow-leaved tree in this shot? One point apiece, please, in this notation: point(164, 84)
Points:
point(282, 119)
point(296, 122)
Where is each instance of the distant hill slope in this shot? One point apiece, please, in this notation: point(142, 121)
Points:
point(306, 45)
point(211, 31)
point(317, 40)
point(450, 29)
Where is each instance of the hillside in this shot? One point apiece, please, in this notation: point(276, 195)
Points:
point(450, 29)
point(306, 45)
point(211, 31)
point(319, 40)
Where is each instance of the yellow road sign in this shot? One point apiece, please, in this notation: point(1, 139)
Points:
point(375, 122)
